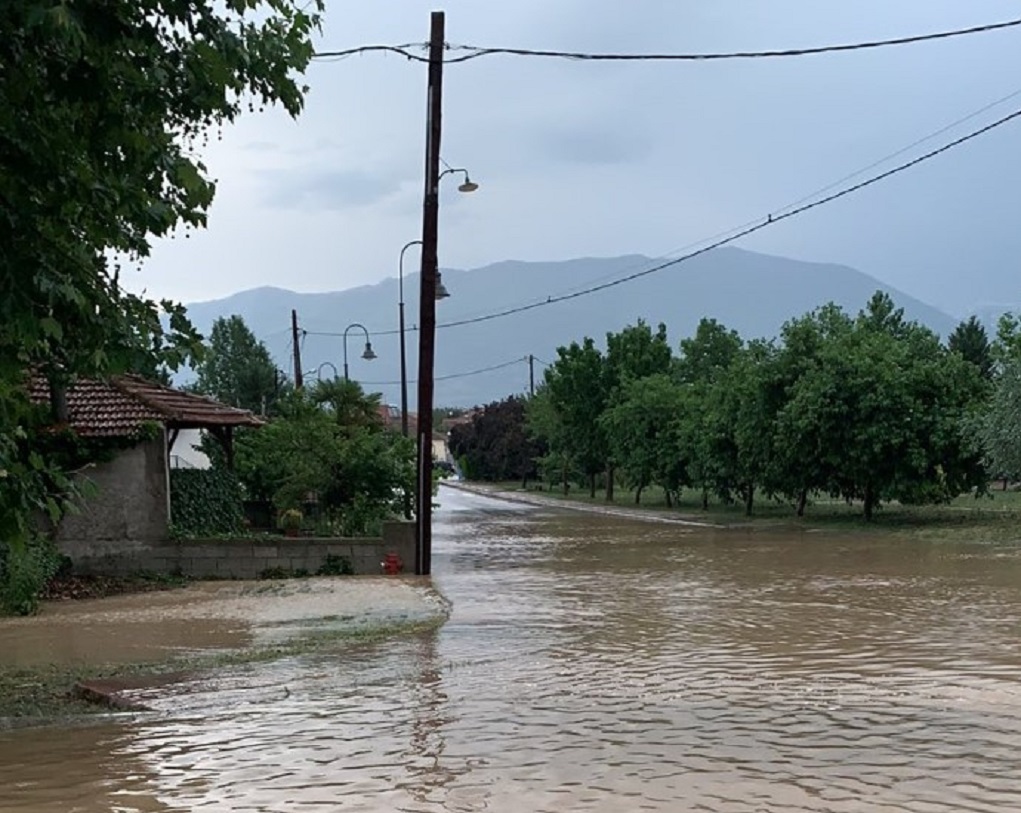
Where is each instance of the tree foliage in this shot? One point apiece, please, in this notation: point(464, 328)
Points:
point(496, 444)
point(103, 104)
point(972, 342)
point(237, 369)
point(869, 408)
point(576, 385)
point(998, 429)
point(352, 470)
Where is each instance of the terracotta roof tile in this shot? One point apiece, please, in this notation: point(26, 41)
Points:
point(120, 406)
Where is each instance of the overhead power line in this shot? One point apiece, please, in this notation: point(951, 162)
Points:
point(452, 376)
point(789, 211)
point(770, 220)
point(475, 51)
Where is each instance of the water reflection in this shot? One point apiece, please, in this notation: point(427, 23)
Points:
point(592, 663)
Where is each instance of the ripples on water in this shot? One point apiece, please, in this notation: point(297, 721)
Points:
point(599, 665)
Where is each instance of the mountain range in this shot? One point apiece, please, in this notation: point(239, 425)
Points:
point(750, 292)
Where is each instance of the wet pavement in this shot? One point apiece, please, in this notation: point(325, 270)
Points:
point(596, 663)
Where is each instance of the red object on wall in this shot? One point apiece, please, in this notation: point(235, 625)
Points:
point(392, 564)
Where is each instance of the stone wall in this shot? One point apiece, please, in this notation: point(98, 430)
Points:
point(250, 558)
point(128, 507)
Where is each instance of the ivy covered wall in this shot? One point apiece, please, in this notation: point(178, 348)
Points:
point(205, 502)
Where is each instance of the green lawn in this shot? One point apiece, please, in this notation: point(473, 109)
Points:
point(994, 517)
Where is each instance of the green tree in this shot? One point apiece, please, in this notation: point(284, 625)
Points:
point(640, 427)
point(739, 419)
point(496, 445)
point(546, 425)
point(704, 358)
point(576, 383)
point(998, 428)
point(878, 415)
point(1007, 347)
point(349, 404)
point(104, 103)
point(706, 354)
point(356, 471)
point(972, 342)
point(237, 368)
point(798, 466)
point(631, 354)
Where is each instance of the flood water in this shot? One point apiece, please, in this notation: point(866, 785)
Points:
point(600, 664)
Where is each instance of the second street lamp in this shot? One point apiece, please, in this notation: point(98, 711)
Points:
point(367, 354)
point(441, 293)
point(400, 312)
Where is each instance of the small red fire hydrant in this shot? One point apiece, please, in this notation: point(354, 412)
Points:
point(392, 564)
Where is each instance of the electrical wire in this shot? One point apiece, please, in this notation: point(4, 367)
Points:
point(735, 233)
point(822, 190)
point(452, 376)
point(759, 225)
point(475, 51)
point(333, 56)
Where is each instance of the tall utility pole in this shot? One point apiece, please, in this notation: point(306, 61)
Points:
point(427, 297)
point(297, 350)
point(531, 374)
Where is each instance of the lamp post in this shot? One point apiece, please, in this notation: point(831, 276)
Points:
point(319, 370)
point(404, 363)
point(468, 185)
point(367, 354)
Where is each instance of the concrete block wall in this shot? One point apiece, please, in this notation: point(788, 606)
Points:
point(128, 507)
point(248, 558)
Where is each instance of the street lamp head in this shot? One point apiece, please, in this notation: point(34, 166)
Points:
point(368, 355)
point(468, 186)
point(441, 289)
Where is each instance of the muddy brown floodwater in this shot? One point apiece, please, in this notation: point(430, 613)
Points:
point(600, 664)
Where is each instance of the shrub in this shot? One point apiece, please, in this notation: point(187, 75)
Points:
point(205, 502)
point(335, 566)
point(24, 572)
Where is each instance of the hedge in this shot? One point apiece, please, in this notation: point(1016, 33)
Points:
point(205, 502)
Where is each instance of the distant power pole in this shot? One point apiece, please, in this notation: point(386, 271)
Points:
point(531, 374)
point(297, 350)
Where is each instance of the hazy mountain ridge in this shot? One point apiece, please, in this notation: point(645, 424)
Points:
point(750, 292)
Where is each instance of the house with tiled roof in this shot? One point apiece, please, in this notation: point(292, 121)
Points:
point(128, 504)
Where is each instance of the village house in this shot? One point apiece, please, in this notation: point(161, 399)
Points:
point(128, 504)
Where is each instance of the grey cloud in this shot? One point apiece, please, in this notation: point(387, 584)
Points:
point(590, 145)
point(311, 187)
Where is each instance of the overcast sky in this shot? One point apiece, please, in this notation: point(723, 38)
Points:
point(584, 159)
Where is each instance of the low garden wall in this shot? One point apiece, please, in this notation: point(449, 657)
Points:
point(256, 557)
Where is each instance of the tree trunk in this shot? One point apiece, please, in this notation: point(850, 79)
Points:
point(524, 482)
point(802, 501)
point(58, 400)
point(565, 482)
point(1005, 483)
point(592, 486)
point(609, 483)
point(705, 499)
point(638, 494)
point(870, 503)
point(749, 499)
point(669, 499)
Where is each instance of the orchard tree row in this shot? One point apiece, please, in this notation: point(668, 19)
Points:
point(868, 407)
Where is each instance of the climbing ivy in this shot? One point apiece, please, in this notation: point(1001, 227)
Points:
point(205, 502)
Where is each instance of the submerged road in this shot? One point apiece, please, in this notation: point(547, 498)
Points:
point(598, 663)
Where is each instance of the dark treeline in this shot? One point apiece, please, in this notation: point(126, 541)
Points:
point(869, 408)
